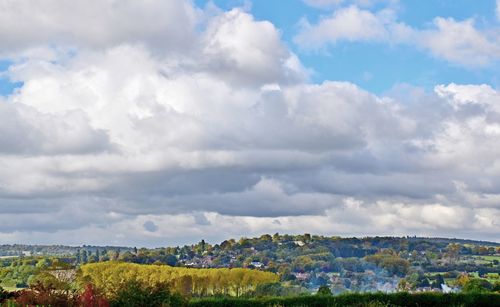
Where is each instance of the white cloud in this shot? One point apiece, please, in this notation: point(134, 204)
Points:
point(232, 49)
point(458, 42)
point(351, 24)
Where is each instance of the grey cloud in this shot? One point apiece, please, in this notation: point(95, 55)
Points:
point(201, 219)
point(150, 226)
point(166, 25)
point(24, 130)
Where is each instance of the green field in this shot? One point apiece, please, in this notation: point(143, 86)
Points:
point(491, 257)
point(488, 258)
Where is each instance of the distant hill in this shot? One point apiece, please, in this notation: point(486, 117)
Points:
point(51, 250)
point(61, 250)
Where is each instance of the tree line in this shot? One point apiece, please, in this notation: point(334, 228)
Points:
point(111, 276)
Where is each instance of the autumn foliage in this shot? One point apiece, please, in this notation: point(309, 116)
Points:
point(111, 277)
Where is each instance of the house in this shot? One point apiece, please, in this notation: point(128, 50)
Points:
point(302, 276)
point(257, 264)
point(299, 243)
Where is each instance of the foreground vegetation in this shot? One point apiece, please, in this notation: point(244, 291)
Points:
point(134, 294)
point(356, 299)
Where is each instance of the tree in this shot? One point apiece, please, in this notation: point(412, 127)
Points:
point(84, 256)
point(104, 255)
point(453, 249)
point(116, 255)
point(46, 280)
point(134, 293)
point(477, 285)
point(110, 277)
point(404, 285)
point(324, 290)
point(462, 280)
point(390, 261)
point(91, 298)
point(171, 260)
point(436, 284)
point(43, 263)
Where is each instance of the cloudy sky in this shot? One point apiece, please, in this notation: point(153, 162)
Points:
point(161, 122)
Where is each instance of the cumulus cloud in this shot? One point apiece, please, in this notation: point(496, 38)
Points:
point(460, 42)
point(132, 141)
point(24, 130)
point(455, 41)
point(232, 48)
point(160, 24)
point(350, 24)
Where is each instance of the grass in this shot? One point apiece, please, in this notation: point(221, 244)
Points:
point(491, 257)
point(487, 258)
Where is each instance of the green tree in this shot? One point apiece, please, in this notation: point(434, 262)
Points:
point(477, 285)
point(324, 290)
point(84, 256)
point(134, 294)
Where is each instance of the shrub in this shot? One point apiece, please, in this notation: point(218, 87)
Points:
point(324, 290)
point(90, 298)
point(133, 294)
point(4, 295)
point(362, 300)
point(477, 285)
point(41, 295)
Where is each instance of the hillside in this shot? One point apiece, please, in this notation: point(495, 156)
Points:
point(302, 261)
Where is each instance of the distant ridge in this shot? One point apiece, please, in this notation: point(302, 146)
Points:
point(58, 249)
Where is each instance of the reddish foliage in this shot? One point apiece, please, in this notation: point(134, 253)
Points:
point(44, 296)
point(90, 298)
point(39, 295)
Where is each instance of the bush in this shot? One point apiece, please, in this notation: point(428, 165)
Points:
point(133, 294)
point(91, 298)
point(362, 300)
point(4, 295)
point(277, 289)
point(324, 290)
point(477, 285)
point(41, 295)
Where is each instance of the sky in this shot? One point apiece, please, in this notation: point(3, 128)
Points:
point(164, 122)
